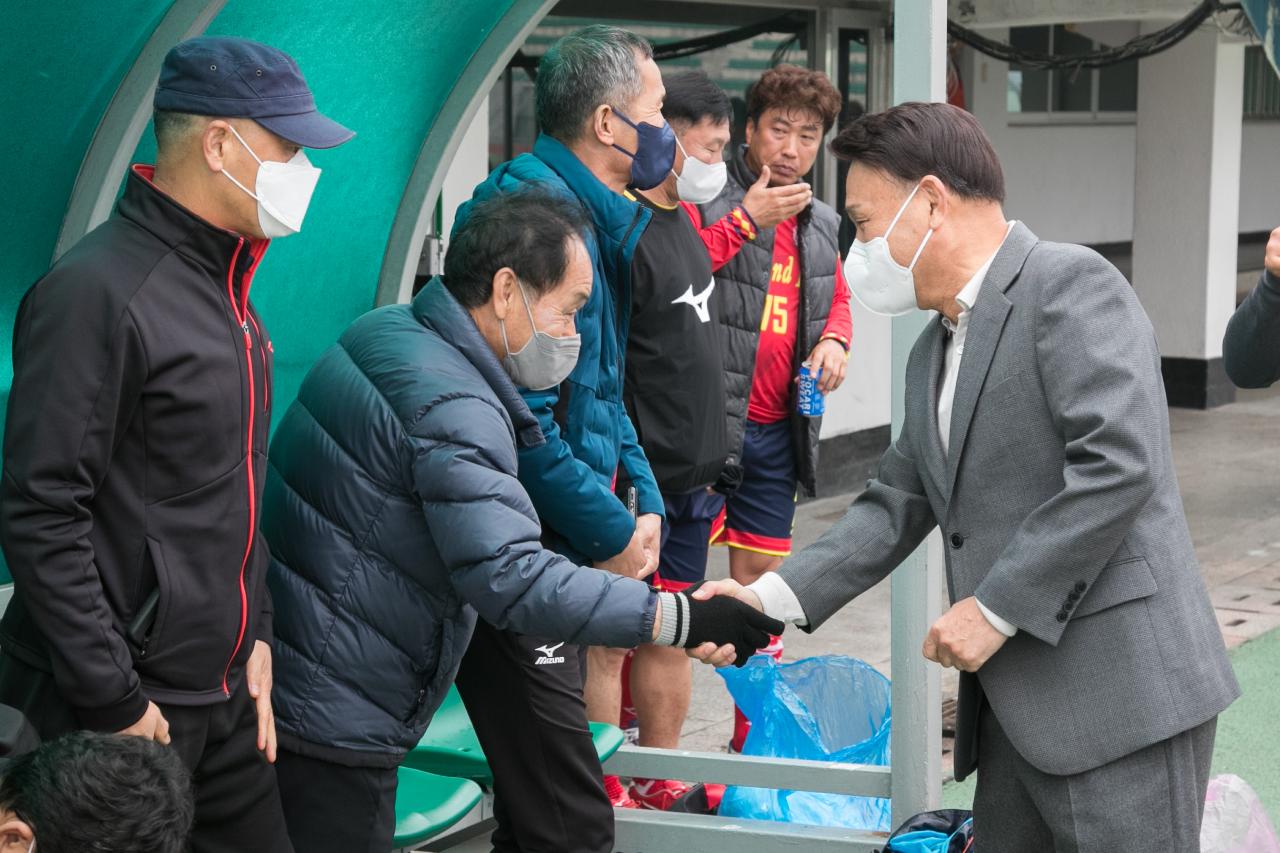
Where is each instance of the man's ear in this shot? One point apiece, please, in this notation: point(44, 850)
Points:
point(604, 123)
point(750, 129)
point(214, 142)
point(503, 299)
point(939, 198)
point(15, 836)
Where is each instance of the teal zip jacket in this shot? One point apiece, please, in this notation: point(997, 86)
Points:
point(589, 436)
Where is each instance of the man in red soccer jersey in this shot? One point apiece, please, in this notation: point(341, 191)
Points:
point(782, 302)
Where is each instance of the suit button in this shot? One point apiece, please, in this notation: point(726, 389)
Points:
point(1069, 606)
point(1081, 586)
point(1063, 616)
point(1073, 596)
point(957, 541)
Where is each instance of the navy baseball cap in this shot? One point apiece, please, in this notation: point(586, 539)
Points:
point(238, 78)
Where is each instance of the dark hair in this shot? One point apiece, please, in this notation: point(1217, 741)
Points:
point(912, 140)
point(595, 65)
point(693, 96)
point(529, 230)
point(791, 87)
point(170, 126)
point(111, 793)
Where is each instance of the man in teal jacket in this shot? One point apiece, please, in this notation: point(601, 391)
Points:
point(599, 104)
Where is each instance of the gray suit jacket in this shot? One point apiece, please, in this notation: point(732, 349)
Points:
point(1059, 509)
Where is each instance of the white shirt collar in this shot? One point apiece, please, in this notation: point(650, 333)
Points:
point(968, 295)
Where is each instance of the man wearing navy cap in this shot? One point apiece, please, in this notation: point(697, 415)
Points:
point(135, 445)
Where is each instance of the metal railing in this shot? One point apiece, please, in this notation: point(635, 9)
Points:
point(643, 831)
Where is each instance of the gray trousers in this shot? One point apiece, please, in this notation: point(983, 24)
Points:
point(1150, 801)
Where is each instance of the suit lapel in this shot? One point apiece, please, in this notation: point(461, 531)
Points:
point(986, 322)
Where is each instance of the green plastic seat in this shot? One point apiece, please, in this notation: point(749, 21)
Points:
point(450, 747)
point(427, 805)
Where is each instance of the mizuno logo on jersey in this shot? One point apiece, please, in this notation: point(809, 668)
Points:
point(549, 655)
point(698, 302)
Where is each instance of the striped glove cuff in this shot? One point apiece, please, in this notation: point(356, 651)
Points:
point(674, 630)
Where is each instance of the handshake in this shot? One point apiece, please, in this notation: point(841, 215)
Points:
point(719, 623)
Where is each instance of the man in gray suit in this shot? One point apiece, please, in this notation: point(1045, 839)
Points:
point(1036, 436)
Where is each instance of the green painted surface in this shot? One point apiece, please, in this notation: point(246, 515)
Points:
point(60, 74)
point(1247, 743)
point(384, 69)
point(426, 805)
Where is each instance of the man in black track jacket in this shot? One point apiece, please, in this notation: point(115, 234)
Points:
point(1251, 348)
point(136, 440)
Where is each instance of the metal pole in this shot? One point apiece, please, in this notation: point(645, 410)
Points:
point(412, 223)
point(919, 74)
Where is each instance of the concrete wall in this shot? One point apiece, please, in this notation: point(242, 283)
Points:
point(470, 166)
point(863, 402)
point(1074, 182)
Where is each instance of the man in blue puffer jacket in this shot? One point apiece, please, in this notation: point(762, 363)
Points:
point(598, 98)
point(394, 516)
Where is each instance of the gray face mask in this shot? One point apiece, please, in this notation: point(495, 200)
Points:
point(545, 361)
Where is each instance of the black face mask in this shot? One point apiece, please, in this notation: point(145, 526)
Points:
point(655, 155)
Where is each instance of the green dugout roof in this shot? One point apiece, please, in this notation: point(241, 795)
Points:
point(407, 75)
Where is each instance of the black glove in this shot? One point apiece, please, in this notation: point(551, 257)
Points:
point(730, 479)
point(722, 620)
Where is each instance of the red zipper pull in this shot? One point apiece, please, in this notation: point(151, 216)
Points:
point(248, 339)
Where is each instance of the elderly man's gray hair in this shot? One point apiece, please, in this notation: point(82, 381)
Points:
point(589, 67)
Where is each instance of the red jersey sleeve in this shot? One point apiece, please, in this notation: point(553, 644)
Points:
point(724, 238)
point(840, 322)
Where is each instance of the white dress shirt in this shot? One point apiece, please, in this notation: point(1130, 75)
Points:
point(778, 599)
point(954, 354)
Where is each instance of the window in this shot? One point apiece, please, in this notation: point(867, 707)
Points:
point(1075, 93)
point(1261, 85)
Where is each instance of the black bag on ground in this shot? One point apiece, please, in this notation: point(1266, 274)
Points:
point(952, 831)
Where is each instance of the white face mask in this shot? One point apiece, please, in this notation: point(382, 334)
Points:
point(699, 182)
point(284, 191)
point(879, 282)
point(545, 361)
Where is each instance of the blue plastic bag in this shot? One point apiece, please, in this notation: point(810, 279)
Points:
point(828, 708)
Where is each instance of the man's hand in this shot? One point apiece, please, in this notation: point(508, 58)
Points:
point(710, 653)
point(729, 587)
point(649, 529)
point(1272, 259)
point(962, 638)
point(152, 726)
point(258, 674)
point(768, 205)
point(634, 561)
point(832, 358)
